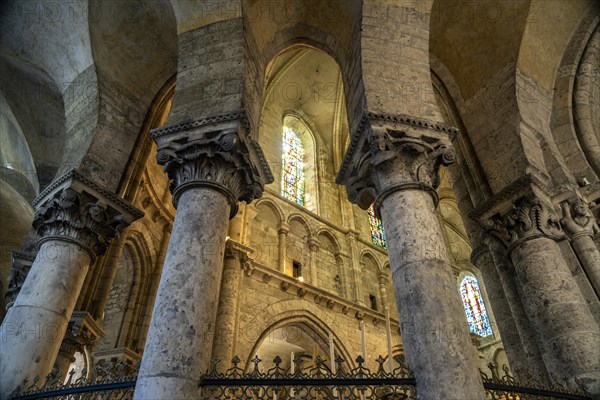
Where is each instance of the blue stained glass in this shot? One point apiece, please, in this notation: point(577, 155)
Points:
point(477, 316)
point(292, 186)
point(377, 233)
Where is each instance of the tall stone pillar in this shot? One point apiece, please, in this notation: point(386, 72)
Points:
point(76, 220)
point(527, 335)
point(580, 226)
point(357, 267)
point(482, 258)
point(397, 159)
point(236, 255)
point(282, 233)
point(569, 336)
point(212, 164)
point(313, 246)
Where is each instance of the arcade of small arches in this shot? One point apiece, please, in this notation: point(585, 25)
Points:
point(325, 181)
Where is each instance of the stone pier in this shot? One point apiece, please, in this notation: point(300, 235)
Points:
point(76, 219)
point(212, 165)
point(568, 334)
point(396, 159)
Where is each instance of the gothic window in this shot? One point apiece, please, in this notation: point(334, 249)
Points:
point(292, 185)
point(479, 322)
point(377, 234)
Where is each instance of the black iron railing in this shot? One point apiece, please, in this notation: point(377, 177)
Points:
point(312, 379)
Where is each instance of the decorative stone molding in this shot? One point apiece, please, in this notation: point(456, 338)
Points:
point(214, 152)
point(77, 210)
point(82, 332)
point(417, 149)
point(21, 264)
point(528, 218)
point(578, 220)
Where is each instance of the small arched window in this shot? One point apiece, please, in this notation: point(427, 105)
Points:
point(292, 178)
point(377, 233)
point(477, 316)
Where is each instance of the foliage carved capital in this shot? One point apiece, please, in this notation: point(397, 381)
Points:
point(77, 210)
point(216, 153)
point(395, 153)
point(527, 218)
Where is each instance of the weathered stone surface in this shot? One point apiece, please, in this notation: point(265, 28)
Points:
point(180, 338)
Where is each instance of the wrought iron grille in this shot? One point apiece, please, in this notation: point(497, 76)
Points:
point(114, 381)
point(316, 381)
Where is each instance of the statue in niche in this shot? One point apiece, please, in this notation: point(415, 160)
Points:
point(337, 281)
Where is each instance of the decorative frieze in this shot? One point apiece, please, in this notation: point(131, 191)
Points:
point(213, 152)
point(77, 210)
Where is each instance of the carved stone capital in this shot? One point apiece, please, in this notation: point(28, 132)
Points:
point(21, 264)
point(528, 218)
point(577, 219)
point(215, 152)
point(82, 331)
point(75, 209)
point(394, 152)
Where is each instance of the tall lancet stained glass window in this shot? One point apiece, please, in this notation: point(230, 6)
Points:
point(292, 180)
point(377, 233)
point(477, 316)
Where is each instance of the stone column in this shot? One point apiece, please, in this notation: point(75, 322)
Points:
point(356, 266)
point(397, 159)
point(282, 232)
point(482, 258)
point(580, 226)
point(21, 264)
point(83, 332)
point(506, 275)
point(115, 252)
point(565, 327)
point(382, 277)
point(76, 219)
point(313, 246)
point(236, 255)
point(212, 164)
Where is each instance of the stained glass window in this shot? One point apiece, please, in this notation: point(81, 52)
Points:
point(377, 233)
point(479, 322)
point(292, 185)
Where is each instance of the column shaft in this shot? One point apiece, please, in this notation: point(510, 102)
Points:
point(506, 275)
point(434, 330)
point(510, 334)
point(224, 344)
point(35, 325)
point(181, 332)
point(589, 256)
point(567, 331)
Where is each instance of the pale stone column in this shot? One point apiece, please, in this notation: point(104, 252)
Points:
point(313, 246)
point(236, 255)
point(569, 335)
point(76, 219)
point(527, 335)
point(115, 252)
point(282, 233)
point(580, 226)
point(398, 159)
point(482, 258)
point(212, 164)
point(356, 266)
